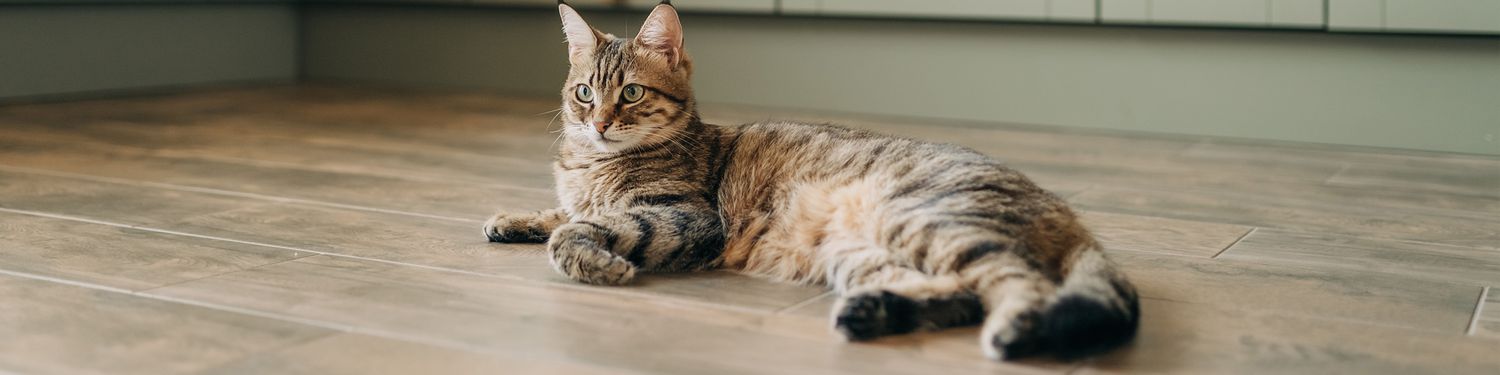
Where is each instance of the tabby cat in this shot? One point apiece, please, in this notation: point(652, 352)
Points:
point(912, 235)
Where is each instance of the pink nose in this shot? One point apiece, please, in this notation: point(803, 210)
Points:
point(601, 126)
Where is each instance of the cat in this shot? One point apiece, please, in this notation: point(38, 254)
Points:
point(912, 235)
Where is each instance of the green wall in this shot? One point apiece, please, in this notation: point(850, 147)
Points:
point(1416, 92)
point(73, 50)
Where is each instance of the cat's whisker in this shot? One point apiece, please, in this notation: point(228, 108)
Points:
point(555, 115)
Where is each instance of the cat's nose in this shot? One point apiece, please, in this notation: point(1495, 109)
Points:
point(601, 126)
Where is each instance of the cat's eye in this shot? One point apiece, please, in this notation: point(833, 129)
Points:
point(584, 94)
point(632, 93)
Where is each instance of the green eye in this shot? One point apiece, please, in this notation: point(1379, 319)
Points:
point(632, 93)
point(584, 94)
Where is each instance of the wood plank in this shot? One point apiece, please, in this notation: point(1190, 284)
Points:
point(357, 354)
point(51, 328)
point(1397, 258)
point(549, 323)
point(1185, 338)
point(1330, 293)
point(118, 257)
point(1263, 210)
point(1468, 180)
point(312, 147)
point(1354, 195)
point(458, 200)
point(120, 203)
point(1326, 154)
point(1164, 236)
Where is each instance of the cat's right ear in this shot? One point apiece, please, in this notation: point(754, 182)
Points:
point(582, 39)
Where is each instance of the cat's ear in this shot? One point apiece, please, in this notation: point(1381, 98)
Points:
point(582, 39)
point(662, 33)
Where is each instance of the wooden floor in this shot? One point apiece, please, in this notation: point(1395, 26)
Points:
point(335, 230)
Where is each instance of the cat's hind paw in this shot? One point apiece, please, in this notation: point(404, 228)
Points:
point(868, 316)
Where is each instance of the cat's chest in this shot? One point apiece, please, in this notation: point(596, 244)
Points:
point(588, 189)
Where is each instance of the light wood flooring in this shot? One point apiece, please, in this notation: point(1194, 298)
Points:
point(335, 230)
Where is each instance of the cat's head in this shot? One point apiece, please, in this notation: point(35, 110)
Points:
point(623, 93)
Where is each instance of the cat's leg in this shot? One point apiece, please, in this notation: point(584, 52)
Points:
point(1014, 295)
point(608, 249)
point(880, 296)
point(987, 256)
point(529, 227)
point(1009, 278)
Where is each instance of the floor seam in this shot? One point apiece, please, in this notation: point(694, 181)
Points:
point(1236, 242)
point(1478, 311)
point(802, 303)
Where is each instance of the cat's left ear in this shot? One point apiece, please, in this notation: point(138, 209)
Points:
point(662, 33)
point(582, 39)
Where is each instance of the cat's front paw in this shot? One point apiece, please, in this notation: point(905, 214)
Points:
point(578, 253)
point(513, 228)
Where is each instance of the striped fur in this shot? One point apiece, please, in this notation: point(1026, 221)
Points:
point(913, 235)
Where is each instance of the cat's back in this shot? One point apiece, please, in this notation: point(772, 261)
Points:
point(768, 161)
point(805, 151)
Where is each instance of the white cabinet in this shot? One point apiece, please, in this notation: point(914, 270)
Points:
point(803, 7)
point(1356, 15)
point(1125, 11)
point(1053, 10)
point(1446, 15)
point(1238, 13)
point(1442, 16)
point(1297, 13)
point(1072, 10)
point(1033, 9)
point(731, 6)
point(575, 3)
point(1210, 12)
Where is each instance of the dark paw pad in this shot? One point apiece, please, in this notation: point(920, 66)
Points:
point(869, 316)
point(517, 235)
point(513, 230)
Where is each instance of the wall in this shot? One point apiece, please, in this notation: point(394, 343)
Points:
point(73, 50)
point(1416, 92)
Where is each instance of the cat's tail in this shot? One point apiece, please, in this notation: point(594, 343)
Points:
point(1095, 309)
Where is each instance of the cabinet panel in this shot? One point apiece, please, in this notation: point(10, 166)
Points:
point(1215, 12)
point(1022, 9)
point(1071, 10)
point(1297, 13)
point(800, 6)
point(1124, 11)
point(574, 3)
point(1447, 15)
point(1356, 15)
point(735, 6)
